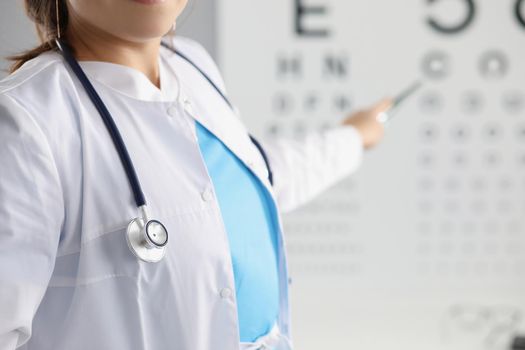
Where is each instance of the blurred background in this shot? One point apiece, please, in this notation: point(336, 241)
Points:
point(424, 247)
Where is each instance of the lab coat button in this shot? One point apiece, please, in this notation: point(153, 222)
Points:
point(226, 293)
point(207, 195)
point(172, 111)
point(187, 105)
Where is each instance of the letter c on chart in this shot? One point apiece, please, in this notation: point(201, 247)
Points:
point(453, 29)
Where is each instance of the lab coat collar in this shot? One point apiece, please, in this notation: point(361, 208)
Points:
point(182, 84)
point(132, 82)
point(205, 105)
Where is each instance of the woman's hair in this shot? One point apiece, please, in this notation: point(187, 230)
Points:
point(44, 14)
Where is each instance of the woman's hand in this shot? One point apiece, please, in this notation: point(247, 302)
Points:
point(365, 121)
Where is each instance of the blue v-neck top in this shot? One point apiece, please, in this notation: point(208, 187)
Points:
point(246, 210)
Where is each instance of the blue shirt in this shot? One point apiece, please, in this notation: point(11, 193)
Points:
point(246, 211)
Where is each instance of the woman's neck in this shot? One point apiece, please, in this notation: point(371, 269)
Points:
point(92, 44)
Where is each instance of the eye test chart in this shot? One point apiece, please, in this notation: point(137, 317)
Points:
point(423, 247)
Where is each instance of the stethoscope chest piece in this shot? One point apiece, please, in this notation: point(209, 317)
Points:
point(147, 239)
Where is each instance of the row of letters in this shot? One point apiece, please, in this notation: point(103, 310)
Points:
point(302, 11)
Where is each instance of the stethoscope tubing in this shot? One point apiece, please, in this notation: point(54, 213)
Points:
point(200, 71)
point(113, 131)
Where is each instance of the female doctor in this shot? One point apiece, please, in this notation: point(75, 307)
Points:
point(137, 212)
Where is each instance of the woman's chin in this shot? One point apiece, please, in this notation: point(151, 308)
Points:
point(145, 33)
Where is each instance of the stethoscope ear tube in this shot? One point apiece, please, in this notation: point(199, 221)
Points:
point(108, 121)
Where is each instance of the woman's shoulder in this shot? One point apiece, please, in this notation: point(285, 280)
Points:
point(32, 96)
point(190, 47)
point(199, 55)
point(37, 74)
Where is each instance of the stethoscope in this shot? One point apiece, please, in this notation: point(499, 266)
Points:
point(146, 238)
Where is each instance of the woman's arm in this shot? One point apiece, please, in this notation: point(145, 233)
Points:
point(31, 216)
point(303, 168)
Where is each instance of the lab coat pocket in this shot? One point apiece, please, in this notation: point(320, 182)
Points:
point(96, 297)
point(106, 256)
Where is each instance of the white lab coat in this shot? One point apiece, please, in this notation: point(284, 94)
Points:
point(67, 278)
